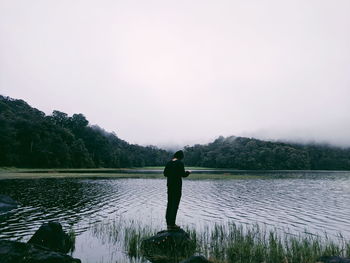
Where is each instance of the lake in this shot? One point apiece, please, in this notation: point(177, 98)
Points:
point(288, 201)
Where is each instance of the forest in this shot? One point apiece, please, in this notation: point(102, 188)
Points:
point(31, 139)
point(252, 154)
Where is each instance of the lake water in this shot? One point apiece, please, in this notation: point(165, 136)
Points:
point(316, 201)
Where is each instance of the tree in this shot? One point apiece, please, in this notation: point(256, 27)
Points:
point(60, 118)
point(80, 155)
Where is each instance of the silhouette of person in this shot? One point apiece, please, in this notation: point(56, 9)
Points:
point(174, 171)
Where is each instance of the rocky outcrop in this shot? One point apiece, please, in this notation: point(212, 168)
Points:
point(333, 260)
point(196, 259)
point(7, 203)
point(52, 236)
point(168, 246)
point(18, 252)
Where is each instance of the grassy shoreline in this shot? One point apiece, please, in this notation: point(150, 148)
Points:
point(229, 242)
point(110, 173)
point(198, 173)
point(25, 175)
point(160, 168)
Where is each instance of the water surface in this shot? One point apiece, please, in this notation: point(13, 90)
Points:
point(293, 202)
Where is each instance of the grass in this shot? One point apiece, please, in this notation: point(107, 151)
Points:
point(71, 240)
point(226, 243)
point(15, 173)
point(25, 175)
point(94, 170)
point(187, 167)
point(95, 173)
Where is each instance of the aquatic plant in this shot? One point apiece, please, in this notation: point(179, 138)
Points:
point(225, 243)
point(71, 240)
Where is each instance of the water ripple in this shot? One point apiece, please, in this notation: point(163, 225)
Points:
point(317, 203)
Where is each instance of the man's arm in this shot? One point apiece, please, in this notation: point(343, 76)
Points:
point(187, 173)
point(165, 172)
point(183, 172)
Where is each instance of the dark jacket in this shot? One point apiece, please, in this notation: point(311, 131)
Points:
point(174, 171)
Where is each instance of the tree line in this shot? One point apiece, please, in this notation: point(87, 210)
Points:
point(252, 154)
point(31, 139)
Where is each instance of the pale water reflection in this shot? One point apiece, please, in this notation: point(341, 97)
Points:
point(317, 202)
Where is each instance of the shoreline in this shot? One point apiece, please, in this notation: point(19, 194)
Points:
point(53, 175)
point(198, 173)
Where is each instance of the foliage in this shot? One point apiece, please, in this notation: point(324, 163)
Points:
point(253, 154)
point(29, 138)
point(229, 242)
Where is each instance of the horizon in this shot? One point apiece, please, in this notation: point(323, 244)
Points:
point(176, 74)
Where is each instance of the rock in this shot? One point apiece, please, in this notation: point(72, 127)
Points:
point(52, 236)
point(18, 252)
point(334, 260)
point(168, 246)
point(7, 203)
point(196, 259)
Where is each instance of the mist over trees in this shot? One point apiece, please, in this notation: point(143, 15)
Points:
point(253, 154)
point(29, 138)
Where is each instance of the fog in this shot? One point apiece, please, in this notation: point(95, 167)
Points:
point(171, 73)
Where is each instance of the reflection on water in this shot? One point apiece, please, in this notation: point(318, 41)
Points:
point(316, 201)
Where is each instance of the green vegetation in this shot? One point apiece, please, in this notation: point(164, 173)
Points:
point(31, 139)
point(187, 168)
point(71, 240)
point(225, 243)
point(26, 175)
point(252, 154)
point(103, 173)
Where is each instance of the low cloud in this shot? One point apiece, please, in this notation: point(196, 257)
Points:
point(187, 72)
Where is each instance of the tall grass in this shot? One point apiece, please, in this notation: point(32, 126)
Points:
point(226, 243)
point(71, 240)
point(133, 235)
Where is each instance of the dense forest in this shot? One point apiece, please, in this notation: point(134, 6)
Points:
point(29, 138)
point(253, 154)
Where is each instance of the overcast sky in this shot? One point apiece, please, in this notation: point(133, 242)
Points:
point(184, 72)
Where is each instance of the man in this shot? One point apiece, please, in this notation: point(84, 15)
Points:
point(174, 171)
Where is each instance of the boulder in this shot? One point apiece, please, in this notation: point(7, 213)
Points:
point(168, 246)
point(196, 259)
point(7, 203)
point(18, 252)
point(333, 260)
point(52, 236)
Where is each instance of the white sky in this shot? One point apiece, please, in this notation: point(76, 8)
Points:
point(183, 72)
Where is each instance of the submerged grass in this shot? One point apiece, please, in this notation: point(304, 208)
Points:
point(133, 235)
point(26, 175)
point(226, 243)
point(95, 174)
point(148, 173)
point(154, 173)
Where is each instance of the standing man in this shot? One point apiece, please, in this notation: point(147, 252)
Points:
point(174, 171)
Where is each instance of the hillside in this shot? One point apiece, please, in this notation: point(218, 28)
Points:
point(253, 154)
point(29, 138)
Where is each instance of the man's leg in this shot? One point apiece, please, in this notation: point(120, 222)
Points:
point(172, 207)
point(169, 209)
point(177, 199)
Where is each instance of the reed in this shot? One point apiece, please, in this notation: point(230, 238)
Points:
point(226, 243)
